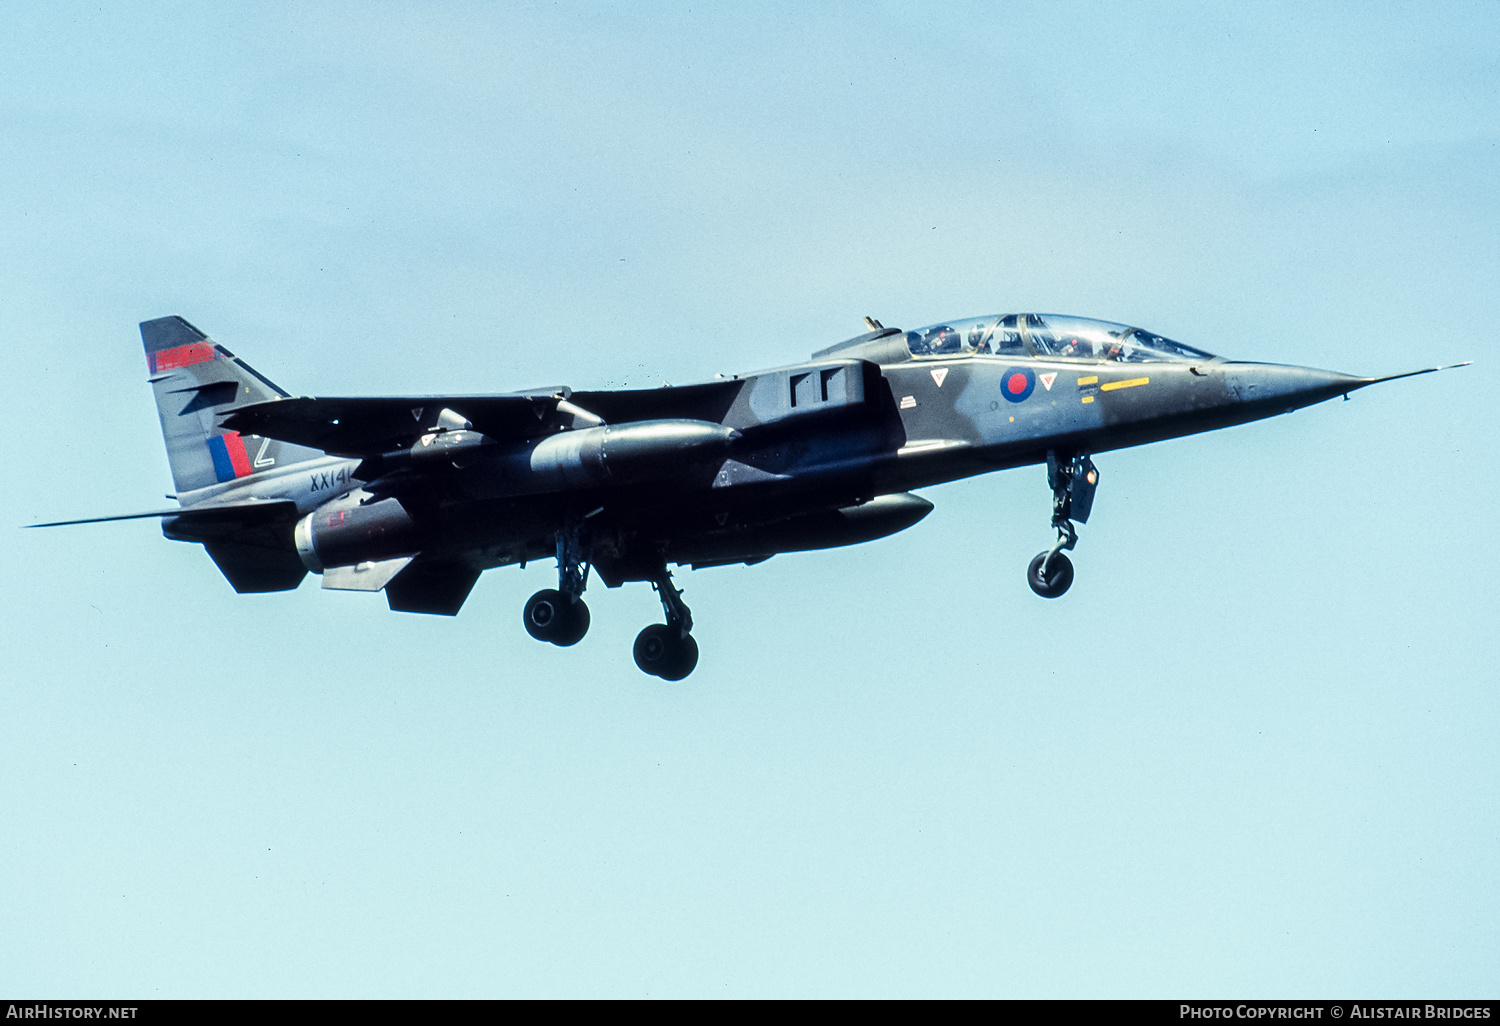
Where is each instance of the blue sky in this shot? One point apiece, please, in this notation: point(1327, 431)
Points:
point(1253, 751)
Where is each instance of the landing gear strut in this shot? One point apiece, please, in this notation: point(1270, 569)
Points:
point(667, 650)
point(560, 615)
point(1072, 482)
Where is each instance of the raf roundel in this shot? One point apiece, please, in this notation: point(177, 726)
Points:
point(1018, 384)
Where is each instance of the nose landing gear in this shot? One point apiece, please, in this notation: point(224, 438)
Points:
point(1073, 482)
point(1050, 574)
point(668, 650)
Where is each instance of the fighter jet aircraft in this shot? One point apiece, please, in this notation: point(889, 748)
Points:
point(417, 495)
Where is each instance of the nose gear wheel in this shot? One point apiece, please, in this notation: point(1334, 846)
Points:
point(1073, 481)
point(1050, 574)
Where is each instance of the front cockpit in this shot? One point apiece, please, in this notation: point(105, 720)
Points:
point(1049, 337)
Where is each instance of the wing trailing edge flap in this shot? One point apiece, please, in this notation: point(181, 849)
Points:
point(412, 584)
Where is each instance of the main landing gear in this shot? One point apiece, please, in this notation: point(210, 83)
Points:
point(559, 615)
point(667, 650)
point(1072, 482)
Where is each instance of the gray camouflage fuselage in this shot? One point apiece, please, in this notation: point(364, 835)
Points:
point(417, 496)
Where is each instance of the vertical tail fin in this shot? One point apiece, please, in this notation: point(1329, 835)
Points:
point(195, 380)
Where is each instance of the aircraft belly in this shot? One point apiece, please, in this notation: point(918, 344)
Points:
point(802, 531)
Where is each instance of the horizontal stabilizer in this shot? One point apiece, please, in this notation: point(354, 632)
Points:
point(248, 511)
point(431, 586)
point(254, 569)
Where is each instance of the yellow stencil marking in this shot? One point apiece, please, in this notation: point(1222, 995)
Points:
point(1124, 384)
point(1088, 398)
point(1092, 379)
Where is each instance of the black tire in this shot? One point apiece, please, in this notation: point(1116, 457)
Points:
point(653, 649)
point(1059, 575)
point(665, 652)
point(546, 614)
point(684, 659)
point(575, 624)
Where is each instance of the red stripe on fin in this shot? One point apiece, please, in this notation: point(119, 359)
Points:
point(182, 356)
point(238, 458)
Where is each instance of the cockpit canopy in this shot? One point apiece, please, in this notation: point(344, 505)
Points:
point(1048, 336)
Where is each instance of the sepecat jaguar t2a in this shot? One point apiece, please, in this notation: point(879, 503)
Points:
point(417, 495)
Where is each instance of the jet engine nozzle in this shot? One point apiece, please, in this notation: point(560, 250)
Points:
point(351, 530)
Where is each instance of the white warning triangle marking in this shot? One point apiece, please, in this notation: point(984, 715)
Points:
point(1047, 379)
point(416, 413)
point(938, 374)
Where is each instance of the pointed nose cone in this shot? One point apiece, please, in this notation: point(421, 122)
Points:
point(1280, 388)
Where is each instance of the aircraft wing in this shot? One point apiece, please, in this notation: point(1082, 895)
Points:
point(370, 426)
point(709, 400)
point(363, 427)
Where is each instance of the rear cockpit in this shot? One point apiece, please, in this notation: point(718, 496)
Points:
point(1049, 337)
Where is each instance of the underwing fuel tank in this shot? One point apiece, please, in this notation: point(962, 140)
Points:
point(649, 450)
point(347, 531)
